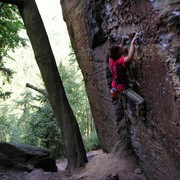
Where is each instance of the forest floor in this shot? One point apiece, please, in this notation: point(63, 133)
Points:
point(101, 166)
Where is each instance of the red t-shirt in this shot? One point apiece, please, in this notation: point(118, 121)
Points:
point(118, 69)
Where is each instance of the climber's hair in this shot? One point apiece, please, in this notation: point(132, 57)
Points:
point(115, 51)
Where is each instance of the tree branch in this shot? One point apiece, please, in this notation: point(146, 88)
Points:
point(16, 2)
point(37, 89)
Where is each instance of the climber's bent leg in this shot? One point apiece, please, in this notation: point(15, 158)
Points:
point(138, 100)
point(118, 107)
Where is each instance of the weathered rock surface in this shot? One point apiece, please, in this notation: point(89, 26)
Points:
point(25, 157)
point(155, 71)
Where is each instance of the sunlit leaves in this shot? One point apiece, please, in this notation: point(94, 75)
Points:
point(37, 124)
point(10, 26)
point(75, 90)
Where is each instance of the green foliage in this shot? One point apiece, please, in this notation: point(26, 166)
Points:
point(4, 95)
point(46, 131)
point(4, 125)
point(75, 90)
point(10, 26)
point(32, 120)
point(92, 142)
point(38, 126)
point(8, 124)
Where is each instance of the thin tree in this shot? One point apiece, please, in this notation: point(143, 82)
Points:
point(75, 151)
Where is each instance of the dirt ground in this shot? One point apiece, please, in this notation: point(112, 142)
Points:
point(101, 166)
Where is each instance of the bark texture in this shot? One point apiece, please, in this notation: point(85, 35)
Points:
point(155, 71)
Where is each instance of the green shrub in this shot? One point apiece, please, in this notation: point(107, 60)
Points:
point(92, 142)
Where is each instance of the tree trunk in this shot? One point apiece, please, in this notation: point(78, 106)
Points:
point(75, 150)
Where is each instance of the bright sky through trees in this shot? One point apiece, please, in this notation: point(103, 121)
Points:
point(55, 27)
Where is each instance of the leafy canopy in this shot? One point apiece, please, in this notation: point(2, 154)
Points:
point(10, 26)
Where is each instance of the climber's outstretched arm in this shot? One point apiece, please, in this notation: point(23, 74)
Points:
point(131, 50)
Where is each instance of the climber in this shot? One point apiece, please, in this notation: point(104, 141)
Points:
point(118, 66)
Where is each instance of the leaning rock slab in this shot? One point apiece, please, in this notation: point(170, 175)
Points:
point(25, 155)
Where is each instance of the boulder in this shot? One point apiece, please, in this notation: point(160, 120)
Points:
point(25, 156)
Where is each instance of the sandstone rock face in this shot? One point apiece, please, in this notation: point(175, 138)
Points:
point(155, 71)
